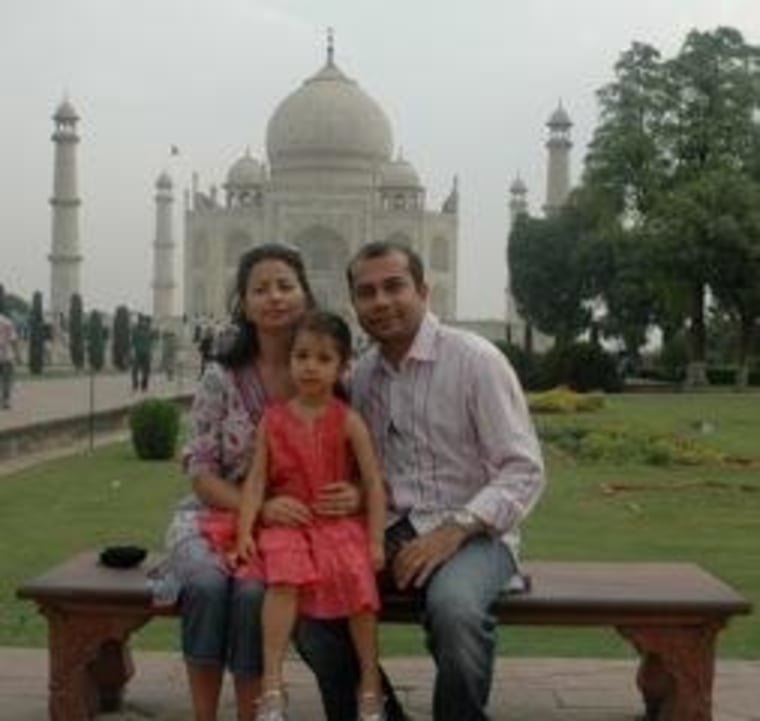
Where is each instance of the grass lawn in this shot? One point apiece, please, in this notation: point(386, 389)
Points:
point(602, 510)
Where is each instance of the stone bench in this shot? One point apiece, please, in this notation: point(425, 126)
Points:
point(670, 612)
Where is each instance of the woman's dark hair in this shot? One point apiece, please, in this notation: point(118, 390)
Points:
point(323, 322)
point(244, 347)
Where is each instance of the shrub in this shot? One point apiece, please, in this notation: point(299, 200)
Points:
point(581, 366)
point(524, 363)
point(673, 358)
point(563, 400)
point(154, 424)
point(622, 445)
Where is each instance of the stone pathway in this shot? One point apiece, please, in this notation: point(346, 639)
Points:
point(524, 689)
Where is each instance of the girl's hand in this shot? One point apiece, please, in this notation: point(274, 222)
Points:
point(285, 511)
point(339, 498)
point(246, 549)
point(377, 554)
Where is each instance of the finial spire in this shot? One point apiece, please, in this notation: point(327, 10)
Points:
point(330, 46)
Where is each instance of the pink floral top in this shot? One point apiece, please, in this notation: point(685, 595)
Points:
point(226, 410)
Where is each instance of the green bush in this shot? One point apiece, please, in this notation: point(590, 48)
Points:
point(622, 445)
point(564, 400)
point(581, 366)
point(154, 424)
point(525, 364)
point(673, 358)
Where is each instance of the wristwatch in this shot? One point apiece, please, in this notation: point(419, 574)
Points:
point(465, 520)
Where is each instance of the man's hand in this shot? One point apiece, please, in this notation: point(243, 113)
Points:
point(339, 498)
point(285, 511)
point(418, 558)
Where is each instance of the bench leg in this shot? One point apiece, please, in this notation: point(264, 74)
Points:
point(676, 672)
point(110, 671)
point(89, 661)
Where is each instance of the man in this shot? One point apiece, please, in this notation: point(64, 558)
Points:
point(463, 468)
point(8, 354)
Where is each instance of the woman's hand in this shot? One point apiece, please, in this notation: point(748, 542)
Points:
point(340, 498)
point(244, 551)
point(285, 511)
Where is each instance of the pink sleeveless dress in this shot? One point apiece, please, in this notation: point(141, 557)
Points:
point(328, 560)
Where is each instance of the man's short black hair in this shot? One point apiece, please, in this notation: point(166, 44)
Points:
point(382, 248)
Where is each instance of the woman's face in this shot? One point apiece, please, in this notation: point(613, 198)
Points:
point(274, 299)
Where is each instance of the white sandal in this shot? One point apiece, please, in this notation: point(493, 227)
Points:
point(272, 706)
point(371, 707)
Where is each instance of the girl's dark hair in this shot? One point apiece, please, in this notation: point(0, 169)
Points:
point(323, 322)
point(244, 346)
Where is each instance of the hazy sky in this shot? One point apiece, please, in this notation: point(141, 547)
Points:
point(467, 85)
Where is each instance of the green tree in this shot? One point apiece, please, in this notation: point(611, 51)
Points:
point(735, 271)
point(120, 345)
point(670, 132)
point(546, 264)
point(96, 341)
point(76, 331)
point(36, 336)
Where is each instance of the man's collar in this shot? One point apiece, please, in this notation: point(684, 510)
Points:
point(423, 348)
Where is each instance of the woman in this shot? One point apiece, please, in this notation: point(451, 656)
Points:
point(221, 614)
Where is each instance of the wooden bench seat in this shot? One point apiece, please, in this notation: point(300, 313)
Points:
point(670, 612)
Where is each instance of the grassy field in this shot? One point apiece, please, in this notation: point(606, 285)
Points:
point(607, 509)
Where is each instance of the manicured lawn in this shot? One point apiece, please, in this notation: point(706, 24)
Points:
point(605, 510)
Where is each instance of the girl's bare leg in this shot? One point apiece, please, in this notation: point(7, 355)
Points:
point(363, 628)
point(278, 619)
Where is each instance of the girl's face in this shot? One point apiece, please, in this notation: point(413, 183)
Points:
point(274, 299)
point(315, 365)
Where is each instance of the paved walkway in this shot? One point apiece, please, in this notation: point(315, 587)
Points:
point(41, 399)
point(45, 399)
point(525, 689)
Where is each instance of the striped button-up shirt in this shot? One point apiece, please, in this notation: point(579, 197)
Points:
point(452, 429)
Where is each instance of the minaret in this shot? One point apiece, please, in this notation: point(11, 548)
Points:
point(163, 252)
point(518, 205)
point(518, 202)
point(64, 255)
point(558, 169)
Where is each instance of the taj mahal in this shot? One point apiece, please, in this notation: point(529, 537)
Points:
point(333, 180)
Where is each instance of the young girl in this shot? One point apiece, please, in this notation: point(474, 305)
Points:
point(325, 569)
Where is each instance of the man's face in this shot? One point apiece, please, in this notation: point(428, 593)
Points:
point(390, 307)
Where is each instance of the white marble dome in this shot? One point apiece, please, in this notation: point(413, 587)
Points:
point(399, 173)
point(328, 120)
point(65, 111)
point(164, 180)
point(559, 118)
point(245, 172)
point(518, 187)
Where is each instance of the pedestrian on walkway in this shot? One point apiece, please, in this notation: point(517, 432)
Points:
point(142, 350)
point(8, 356)
point(169, 354)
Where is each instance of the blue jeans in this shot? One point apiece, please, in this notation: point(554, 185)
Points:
point(221, 622)
point(460, 632)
